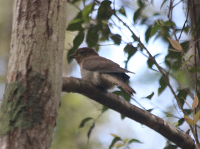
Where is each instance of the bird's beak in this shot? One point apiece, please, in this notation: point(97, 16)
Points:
point(72, 56)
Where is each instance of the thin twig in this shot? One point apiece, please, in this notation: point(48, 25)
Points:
point(153, 59)
point(170, 18)
point(184, 24)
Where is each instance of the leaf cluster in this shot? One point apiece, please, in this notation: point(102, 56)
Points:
point(93, 25)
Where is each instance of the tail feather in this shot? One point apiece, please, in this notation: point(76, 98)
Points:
point(125, 86)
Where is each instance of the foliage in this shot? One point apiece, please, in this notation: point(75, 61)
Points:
point(117, 142)
point(70, 132)
point(95, 24)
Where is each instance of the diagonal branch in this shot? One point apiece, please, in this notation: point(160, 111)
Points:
point(71, 84)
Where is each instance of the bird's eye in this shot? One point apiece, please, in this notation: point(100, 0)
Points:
point(81, 52)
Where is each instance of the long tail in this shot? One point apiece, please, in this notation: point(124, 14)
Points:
point(126, 87)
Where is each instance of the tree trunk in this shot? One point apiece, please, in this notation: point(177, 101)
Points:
point(31, 100)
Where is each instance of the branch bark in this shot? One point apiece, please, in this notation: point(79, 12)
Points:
point(31, 99)
point(71, 84)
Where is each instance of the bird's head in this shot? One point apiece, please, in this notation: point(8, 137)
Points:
point(83, 53)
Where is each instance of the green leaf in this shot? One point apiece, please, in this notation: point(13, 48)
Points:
point(144, 19)
point(86, 11)
point(84, 121)
point(198, 81)
point(189, 111)
point(198, 22)
point(122, 116)
point(150, 63)
point(181, 96)
point(181, 121)
point(105, 31)
point(137, 14)
point(163, 85)
point(168, 63)
point(150, 96)
point(186, 29)
point(148, 34)
point(177, 56)
point(76, 20)
point(79, 15)
point(90, 131)
point(135, 37)
point(92, 35)
point(130, 50)
point(96, 48)
point(190, 57)
point(75, 25)
point(71, 51)
point(185, 46)
point(134, 141)
point(122, 11)
point(119, 145)
point(114, 135)
point(156, 14)
point(191, 69)
point(122, 94)
point(140, 3)
point(104, 11)
point(164, 31)
point(78, 39)
point(163, 3)
point(170, 146)
point(114, 141)
point(116, 38)
point(74, 1)
point(104, 109)
point(182, 67)
point(76, 43)
point(154, 30)
point(177, 65)
point(149, 110)
point(168, 23)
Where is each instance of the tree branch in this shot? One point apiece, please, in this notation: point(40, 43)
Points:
point(71, 84)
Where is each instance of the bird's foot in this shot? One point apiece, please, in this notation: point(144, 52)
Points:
point(101, 88)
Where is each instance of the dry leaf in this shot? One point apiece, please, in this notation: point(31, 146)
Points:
point(175, 44)
point(114, 135)
point(174, 50)
point(188, 120)
point(196, 117)
point(195, 102)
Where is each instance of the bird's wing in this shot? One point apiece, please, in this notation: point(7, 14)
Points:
point(103, 65)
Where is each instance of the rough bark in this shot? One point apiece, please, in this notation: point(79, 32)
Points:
point(71, 84)
point(31, 100)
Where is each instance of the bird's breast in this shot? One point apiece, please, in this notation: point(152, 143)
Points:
point(89, 75)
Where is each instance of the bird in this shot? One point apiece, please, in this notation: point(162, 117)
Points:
point(102, 72)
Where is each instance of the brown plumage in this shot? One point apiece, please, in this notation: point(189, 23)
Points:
point(102, 72)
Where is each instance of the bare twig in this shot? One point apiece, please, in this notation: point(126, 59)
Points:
point(184, 24)
point(170, 18)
